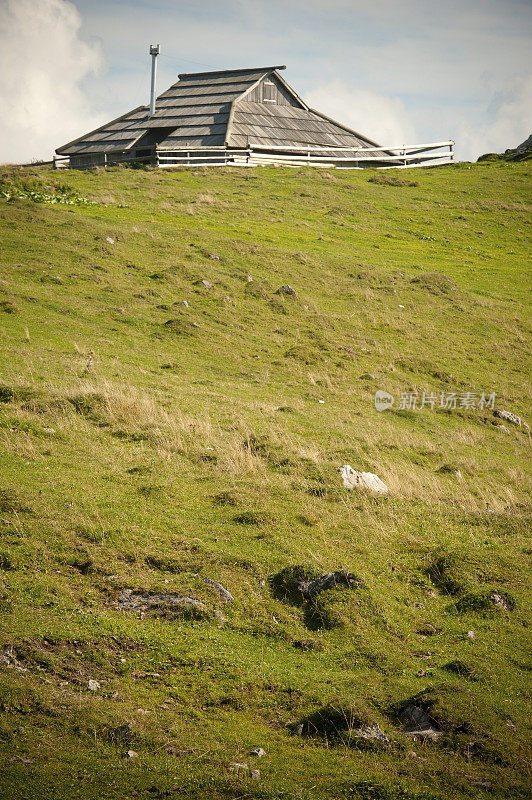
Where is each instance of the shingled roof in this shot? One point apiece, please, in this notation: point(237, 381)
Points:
point(236, 108)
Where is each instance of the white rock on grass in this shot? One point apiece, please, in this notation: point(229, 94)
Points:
point(93, 685)
point(366, 481)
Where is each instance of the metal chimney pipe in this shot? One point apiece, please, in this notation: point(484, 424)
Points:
point(154, 52)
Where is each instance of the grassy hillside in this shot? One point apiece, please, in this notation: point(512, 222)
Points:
point(167, 416)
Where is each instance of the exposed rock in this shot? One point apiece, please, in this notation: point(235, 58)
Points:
point(130, 754)
point(526, 145)
point(185, 303)
point(206, 284)
point(328, 581)
point(366, 481)
point(287, 290)
point(255, 774)
point(471, 636)
point(220, 590)
point(173, 604)
point(501, 601)
point(419, 724)
point(299, 585)
point(367, 376)
point(93, 685)
point(509, 416)
point(259, 752)
point(7, 659)
point(372, 732)
point(503, 429)
point(110, 240)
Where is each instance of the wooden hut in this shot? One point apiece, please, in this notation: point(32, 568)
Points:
point(245, 116)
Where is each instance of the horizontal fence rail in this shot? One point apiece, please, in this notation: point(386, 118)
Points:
point(261, 155)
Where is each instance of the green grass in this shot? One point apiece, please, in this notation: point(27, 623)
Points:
point(148, 443)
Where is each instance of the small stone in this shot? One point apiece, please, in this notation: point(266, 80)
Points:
point(255, 774)
point(367, 376)
point(185, 303)
point(207, 284)
point(249, 279)
point(93, 685)
point(215, 257)
point(287, 290)
point(110, 240)
point(130, 754)
point(259, 752)
point(504, 429)
point(471, 636)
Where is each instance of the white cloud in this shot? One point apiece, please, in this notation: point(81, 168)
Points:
point(381, 118)
point(42, 63)
point(508, 122)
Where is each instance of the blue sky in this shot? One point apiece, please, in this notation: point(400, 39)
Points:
point(399, 72)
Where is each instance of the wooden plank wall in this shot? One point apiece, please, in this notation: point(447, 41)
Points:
point(280, 95)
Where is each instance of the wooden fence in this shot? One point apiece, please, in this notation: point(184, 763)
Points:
point(256, 155)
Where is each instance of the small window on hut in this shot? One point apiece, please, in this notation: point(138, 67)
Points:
point(268, 92)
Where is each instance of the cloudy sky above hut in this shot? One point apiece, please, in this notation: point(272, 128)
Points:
point(398, 72)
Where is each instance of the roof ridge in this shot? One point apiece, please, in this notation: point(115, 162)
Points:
point(229, 71)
